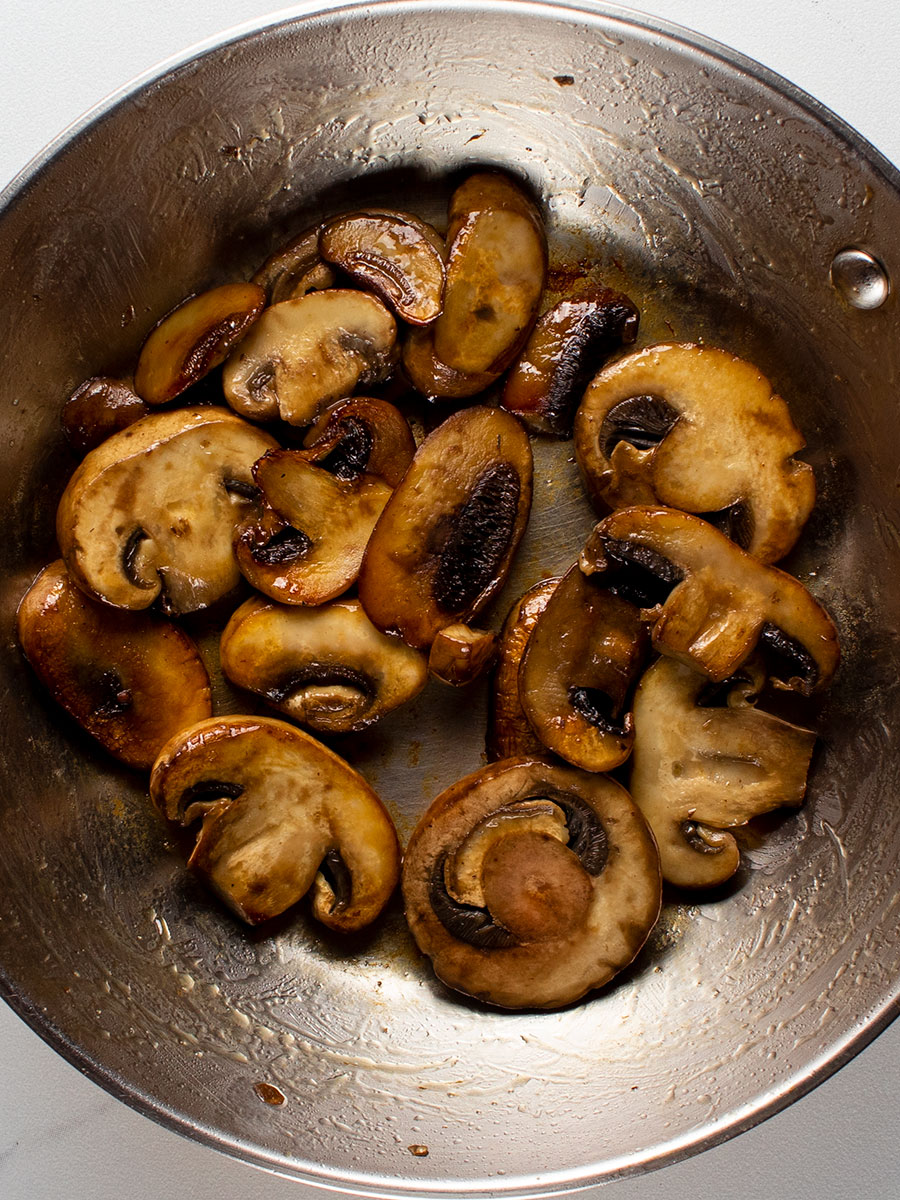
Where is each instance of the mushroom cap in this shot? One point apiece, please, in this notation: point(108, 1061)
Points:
point(295, 268)
point(714, 603)
point(653, 427)
point(529, 884)
point(151, 511)
point(434, 378)
point(131, 680)
point(281, 815)
point(328, 667)
point(445, 541)
point(698, 771)
point(99, 407)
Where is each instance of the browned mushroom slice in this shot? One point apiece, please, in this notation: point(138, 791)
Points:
point(98, 407)
point(295, 269)
point(132, 681)
point(312, 551)
point(393, 254)
point(150, 512)
point(194, 338)
point(710, 602)
point(654, 428)
point(281, 816)
point(459, 654)
point(329, 668)
point(529, 884)
point(704, 765)
point(496, 268)
point(444, 544)
point(565, 348)
point(579, 668)
point(435, 379)
point(304, 354)
point(363, 435)
point(509, 731)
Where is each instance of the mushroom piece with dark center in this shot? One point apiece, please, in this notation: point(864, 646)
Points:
point(699, 771)
point(131, 680)
point(696, 428)
point(579, 668)
point(328, 667)
point(716, 604)
point(529, 884)
point(281, 816)
point(362, 435)
point(445, 541)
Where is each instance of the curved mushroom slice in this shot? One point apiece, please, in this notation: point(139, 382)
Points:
point(698, 771)
point(566, 346)
point(435, 379)
point(459, 654)
point(444, 544)
point(393, 254)
point(329, 668)
point(652, 429)
point(582, 660)
point(281, 816)
point(509, 731)
point(496, 269)
point(150, 512)
point(99, 407)
point(132, 681)
point(710, 602)
point(304, 354)
point(363, 435)
point(529, 884)
point(197, 336)
point(295, 269)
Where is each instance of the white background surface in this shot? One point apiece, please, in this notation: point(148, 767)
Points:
point(61, 1137)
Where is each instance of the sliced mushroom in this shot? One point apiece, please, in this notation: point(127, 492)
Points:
point(363, 435)
point(295, 269)
point(304, 354)
point(435, 379)
point(567, 345)
point(197, 336)
point(150, 512)
point(329, 667)
point(496, 269)
point(698, 771)
point(459, 654)
point(281, 816)
point(445, 541)
point(509, 730)
point(581, 663)
point(393, 254)
point(98, 407)
point(696, 428)
point(529, 884)
point(712, 604)
point(132, 681)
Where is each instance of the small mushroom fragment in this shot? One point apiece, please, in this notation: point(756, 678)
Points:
point(509, 731)
point(329, 667)
point(444, 544)
point(393, 254)
point(699, 429)
point(459, 654)
point(565, 348)
point(149, 513)
point(132, 681)
point(295, 269)
point(529, 884)
point(435, 379)
point(363, 435)
point(98, 407)
point(698, 771)
point(281, 816)
point(710, 603)
point(496, 269)
point(197, 336)
point(582, 660)
point(305, 354)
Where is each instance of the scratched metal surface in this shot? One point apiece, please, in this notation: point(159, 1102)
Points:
point(717, 197)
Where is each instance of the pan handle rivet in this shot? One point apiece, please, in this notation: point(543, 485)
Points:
point(859, 278)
